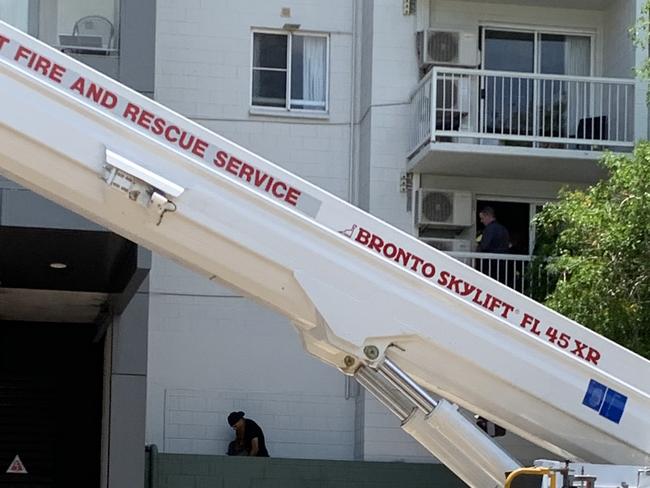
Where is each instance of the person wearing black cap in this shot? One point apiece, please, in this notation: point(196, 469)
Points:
point(248, 435)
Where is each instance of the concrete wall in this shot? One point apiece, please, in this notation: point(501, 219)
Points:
point(364, 161)
point(178, 471)
point(619, 52)
point(394, 75)
point(203, 70)
point(212, 351)
point(16, 13)
point(295, 424)
point(359, 423)
point(385, 441)
point(125, 385)
point(621, 57)
point(125, 404)
point(22, 208)
point(137, 44)
point(531, 190)
point(364, 119)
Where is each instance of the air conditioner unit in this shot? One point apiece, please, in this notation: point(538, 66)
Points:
point(445, 47)
point(453, 93)
point(448, 245)
point(443, 208)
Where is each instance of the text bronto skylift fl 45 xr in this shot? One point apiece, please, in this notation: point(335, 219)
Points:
point(409, 322)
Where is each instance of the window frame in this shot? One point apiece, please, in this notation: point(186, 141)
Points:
point(532, 203)
point(538, 31)
point(287, 110)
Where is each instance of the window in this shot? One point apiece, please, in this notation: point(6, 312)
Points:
point(16, 13)
point(290, 71)
point(537, 52)
point(549, 107)
point(90, 26)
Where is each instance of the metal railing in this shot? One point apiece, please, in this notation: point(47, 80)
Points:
point(523, 109)
point(519, 272)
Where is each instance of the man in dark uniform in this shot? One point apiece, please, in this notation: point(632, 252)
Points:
point(495, 237)
point(248, 435)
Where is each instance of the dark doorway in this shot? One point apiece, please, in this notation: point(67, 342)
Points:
point(515, 216)
point(50, 404)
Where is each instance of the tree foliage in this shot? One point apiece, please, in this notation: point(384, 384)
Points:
point(596, 242)
point(640, 34)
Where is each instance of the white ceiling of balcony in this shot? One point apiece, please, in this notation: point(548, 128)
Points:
point(508, 162)
point(578, 4)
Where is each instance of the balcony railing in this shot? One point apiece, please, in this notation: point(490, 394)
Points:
point(88, 28)
point(519, 272)
point(522, 109)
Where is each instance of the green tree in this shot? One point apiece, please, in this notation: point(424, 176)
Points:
point(640, 34)
point(596, 243)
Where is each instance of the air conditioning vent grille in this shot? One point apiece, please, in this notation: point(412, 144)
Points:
point(443, 208)
point(447, 47)
point(443, 46)
point(438, 206)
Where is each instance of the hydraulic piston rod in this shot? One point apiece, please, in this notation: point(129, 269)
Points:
point(407, 386)
point(439, 426)
point(372, 382)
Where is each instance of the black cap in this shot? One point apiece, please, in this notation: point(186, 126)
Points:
point(234, 417)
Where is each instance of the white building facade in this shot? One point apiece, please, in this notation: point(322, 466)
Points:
point(340, 93)
point(421, 112)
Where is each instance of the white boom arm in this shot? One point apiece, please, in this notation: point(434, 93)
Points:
point(361, 293)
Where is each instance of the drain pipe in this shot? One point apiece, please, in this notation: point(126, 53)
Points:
point(353, 172)
point(153, 466)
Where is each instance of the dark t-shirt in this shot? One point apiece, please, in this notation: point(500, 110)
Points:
point(251, 431)
point(495, 238)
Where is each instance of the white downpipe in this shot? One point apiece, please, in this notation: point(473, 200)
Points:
point(353, 194)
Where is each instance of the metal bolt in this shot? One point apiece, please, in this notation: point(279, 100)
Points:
point(371, 352)
point(349, 361)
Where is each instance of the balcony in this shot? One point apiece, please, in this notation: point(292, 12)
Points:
point(88, 31)
point(513, 270)
point(518, 125)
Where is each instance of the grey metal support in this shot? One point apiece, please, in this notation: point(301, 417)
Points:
point(407, 386)
point(395, 389)
point(371, 380)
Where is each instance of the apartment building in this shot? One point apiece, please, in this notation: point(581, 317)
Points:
point(420, 112)
point(73, 296)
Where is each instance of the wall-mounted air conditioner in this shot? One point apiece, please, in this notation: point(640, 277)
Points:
point(443, 208)
point(446, 47)
point(448, 245)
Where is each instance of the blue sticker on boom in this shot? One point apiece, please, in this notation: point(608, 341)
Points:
point(607, 402)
